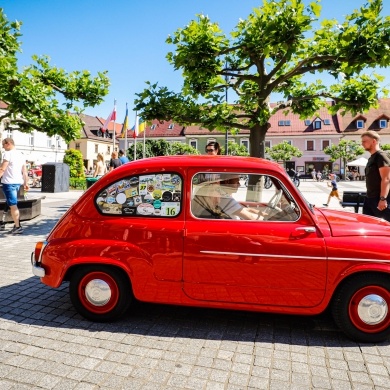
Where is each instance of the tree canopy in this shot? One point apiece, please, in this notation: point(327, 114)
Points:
point(159, 147)
point(272, 51)
point(345, 150)
point(283, 152)
point(42, 97)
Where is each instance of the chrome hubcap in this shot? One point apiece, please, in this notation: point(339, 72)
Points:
point(97, 292)
point(372, 309)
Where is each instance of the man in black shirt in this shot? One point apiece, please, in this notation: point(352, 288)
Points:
point(377, 202)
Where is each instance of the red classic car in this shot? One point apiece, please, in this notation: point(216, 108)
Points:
point(205, 231)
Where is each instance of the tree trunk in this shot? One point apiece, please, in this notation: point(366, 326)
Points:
point(257, 140)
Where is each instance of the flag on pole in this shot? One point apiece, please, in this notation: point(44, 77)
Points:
point(111, 117)
point(125, 123)
point(139, 126)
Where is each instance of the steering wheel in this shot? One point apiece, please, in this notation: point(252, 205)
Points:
point(274, 201)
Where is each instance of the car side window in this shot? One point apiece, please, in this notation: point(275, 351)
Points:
point(152, 195)
point(240, 196)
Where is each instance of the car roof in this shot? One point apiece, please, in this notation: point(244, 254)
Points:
point(222, 162)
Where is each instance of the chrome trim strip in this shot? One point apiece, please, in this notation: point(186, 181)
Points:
point(295, 257)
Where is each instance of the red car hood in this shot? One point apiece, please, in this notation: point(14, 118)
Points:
point(343, 223)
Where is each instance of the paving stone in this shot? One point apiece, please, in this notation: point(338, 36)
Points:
point(45, 344)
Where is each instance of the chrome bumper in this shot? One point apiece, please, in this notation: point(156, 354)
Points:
point(37, 270)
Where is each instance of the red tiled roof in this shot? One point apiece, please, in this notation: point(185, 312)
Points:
point(348, 122)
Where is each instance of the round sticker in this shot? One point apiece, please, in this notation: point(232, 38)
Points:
point(121, 198)
point(175, 180)
point(145, 209)
point(157, 194)
point(167, 196)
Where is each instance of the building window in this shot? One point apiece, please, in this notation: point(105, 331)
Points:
point(307, 122)
point(287, 123)
point(31, 139)
point(325, 143)
point(382, 123)
point(281, 123)
point(96, 148)
point(77, 146)
point(310, 145)
point(288, 141)
point(153, 126)
point(360, 124)
point(194, 143)
point(49, 142)
point(326, 121)
point(245, 142)
point(108, 149)
point(171, 126)
point(317, 124)
point(267, 144)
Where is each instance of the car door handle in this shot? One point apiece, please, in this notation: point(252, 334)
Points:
point(307, 229)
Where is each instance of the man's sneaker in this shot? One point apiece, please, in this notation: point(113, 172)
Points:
point(325, 204)
point(16, 230)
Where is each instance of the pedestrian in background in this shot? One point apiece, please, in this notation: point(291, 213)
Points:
point(114, 162)
point(100, 167)
point(334, 192)
point(213, 148)
point(13, 174)
point(377, 174)
point(123, 157)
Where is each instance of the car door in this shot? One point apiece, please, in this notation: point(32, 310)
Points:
point(263, 262)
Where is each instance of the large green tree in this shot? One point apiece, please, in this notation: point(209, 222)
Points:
point(272, 51)
point(41, 97)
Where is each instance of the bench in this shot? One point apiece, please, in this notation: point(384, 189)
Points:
point(29, 207)
point(353, 199)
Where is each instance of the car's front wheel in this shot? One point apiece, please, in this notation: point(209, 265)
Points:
point(100, 293)
point(361, 307)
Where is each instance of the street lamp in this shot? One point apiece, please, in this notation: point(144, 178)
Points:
point(229, 81)
point(226, 100)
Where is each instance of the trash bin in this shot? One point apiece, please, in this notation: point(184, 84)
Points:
point(91, 180)
point(55, 177)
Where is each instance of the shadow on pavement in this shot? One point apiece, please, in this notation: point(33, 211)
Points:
point(31, 303)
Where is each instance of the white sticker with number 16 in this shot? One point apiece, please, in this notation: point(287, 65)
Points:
point(170, 209)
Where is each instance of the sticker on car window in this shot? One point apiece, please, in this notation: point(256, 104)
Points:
point(146, 195)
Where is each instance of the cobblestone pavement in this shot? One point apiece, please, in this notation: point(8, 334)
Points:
point(45, 344)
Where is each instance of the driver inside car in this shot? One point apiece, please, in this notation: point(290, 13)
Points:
point(214, 200)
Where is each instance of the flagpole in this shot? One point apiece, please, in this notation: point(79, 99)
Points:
point(125, 134)
point(143, 151)
point(113, 133)
point(135, 137)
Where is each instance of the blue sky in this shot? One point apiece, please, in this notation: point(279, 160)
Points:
point(127, 37)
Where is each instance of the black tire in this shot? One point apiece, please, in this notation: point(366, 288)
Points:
point(113, 286)
point(368, 322)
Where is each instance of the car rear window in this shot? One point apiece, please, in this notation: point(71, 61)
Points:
point(152, 195)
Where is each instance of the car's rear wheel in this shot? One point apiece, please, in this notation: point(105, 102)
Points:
point(100, 293)
point(361, 307)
